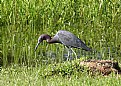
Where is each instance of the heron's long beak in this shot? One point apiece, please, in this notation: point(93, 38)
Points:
point(37, 46)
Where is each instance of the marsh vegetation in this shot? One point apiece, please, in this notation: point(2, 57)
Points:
point(96, 22)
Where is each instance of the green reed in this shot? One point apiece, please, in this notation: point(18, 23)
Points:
point(98, 23)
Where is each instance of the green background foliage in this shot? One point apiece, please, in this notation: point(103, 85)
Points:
point(96, 22)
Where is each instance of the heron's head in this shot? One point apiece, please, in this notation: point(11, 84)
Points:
point(41, 38)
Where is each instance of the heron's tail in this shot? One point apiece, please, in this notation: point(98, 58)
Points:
point(84, 47)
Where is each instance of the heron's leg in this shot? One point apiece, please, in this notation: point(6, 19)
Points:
point(66, 53)
point(69, 56)
point(74, 52)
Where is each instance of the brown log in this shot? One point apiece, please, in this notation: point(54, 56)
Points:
point(105, 67)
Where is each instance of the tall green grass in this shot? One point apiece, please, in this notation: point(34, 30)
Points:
point(97, 22)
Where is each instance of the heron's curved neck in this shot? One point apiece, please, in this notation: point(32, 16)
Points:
point(46, 37)
point(49, 39)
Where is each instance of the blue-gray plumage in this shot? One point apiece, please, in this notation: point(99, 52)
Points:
point(64, 37)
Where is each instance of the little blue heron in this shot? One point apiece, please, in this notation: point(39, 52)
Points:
point(64, 37)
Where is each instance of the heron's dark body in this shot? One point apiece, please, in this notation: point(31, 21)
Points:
point(66, 38)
